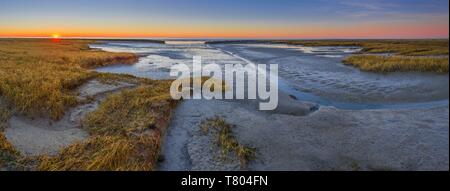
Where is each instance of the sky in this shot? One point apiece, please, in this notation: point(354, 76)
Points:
point(225, 18)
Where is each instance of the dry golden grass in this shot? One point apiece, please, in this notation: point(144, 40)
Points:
point(5, 114)
point(133, 111)
point(110, 78)
point(408, 55)
point(125, 131)
point(106, 153)
point(8, 154)
point(402, 47)
point(226, 140)
point(398, 63)
point(37, 76)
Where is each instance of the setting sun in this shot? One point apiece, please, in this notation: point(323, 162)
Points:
point(55, 36)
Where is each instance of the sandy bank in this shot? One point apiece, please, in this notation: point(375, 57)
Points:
point(44, 136)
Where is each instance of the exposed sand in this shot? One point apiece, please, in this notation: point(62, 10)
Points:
point(35, 137)
point(186, 148)
point(44, 136)
point(327, 139)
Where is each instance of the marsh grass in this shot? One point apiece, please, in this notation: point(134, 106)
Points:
point(226, 141)
point(375, 63)
point(400, 47)
point(125, 131)
point(37, 75)
point(106, 153)
point(9, 156)
point(5, 114)
point(110, 78)
point(407, 55)
point(133, 111)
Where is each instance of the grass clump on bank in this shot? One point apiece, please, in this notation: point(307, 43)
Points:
point(106, 153)
point(133, 111)
point(400, 47)
point(9, 156)
point(126, 132)
point(408, 47)
point(407, 55)
point(402, 55)
point(226, 141)
point(375, 63)
point(5, 114)
point(37, 75)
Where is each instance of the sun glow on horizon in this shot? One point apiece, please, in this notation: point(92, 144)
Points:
point(56, 36)
point(226, 19)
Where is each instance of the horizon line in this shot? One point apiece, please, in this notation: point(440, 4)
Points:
point(224, 38)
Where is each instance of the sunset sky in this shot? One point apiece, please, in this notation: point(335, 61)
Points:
point(225, 18)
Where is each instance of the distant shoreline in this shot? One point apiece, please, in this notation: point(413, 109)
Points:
point(228, 40)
